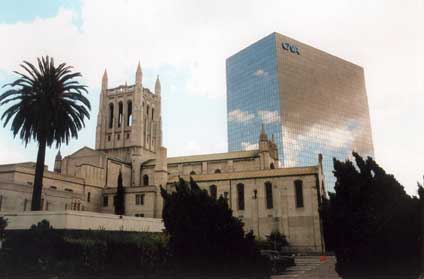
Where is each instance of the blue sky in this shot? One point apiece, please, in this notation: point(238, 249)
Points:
point(28, 10)
point(187, 42)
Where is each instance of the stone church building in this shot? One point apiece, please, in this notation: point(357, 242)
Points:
point(265, 196)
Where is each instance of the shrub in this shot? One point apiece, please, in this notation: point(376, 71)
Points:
point(45, 249)
point(277, 240)
point(203, 232)
point(370, 218)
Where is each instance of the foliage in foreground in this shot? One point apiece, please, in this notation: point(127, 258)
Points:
point(202, 229)
point(3, 225)
point(370, 218)
point(120, 197)
point(44, 249)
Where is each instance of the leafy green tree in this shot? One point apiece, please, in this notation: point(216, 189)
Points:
point(370, 217)
point(120, 197)
point(203, 228)
point(46, 105)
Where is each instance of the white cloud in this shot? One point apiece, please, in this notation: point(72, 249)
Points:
point(12, 154)
point(249, 146)
point(240, 116)
point(260, 72)
point(268, 117)
point(197, 37)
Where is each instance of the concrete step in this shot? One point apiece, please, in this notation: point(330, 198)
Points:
point(300, 268)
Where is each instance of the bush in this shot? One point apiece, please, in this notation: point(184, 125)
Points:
point(204, 234)
point(370, 219)
point(44, 249)
point(277, 240)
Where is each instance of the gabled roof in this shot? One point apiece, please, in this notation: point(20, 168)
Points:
point(210, 157)
point(86, 151)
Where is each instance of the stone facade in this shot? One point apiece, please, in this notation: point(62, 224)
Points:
point(129, 140)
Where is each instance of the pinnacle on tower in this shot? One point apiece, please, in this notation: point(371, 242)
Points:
point(157, 86)
point(263, 136)
point(58, 155)
point(138, 75)
point(104, 80)
point(58, 163)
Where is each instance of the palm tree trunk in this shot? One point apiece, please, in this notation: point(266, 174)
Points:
point(38, 178)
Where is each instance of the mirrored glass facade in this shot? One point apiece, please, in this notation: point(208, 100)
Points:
point(313, 102)
point(253, 96)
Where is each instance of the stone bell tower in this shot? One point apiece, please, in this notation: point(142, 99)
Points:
point(129, 120)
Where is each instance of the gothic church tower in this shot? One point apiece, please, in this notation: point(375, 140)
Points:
point(129, 122)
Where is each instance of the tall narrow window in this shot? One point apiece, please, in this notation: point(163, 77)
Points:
point(213, 191)
point(145, 180)
point(25, 204)
point(110, 116)
point(298, 187)
point(105, 201)
point(120, 112)
point(153, 113)
point(240, 196)
point(1, 201)
point(268, 195)
point(139, 199)
point(88, 197)
point(129, 114)
point(148, 110)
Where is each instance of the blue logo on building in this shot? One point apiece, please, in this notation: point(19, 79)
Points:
point(291, 48)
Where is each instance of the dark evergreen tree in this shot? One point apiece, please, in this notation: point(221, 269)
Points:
point(3, 225)
point(120, 197)
point(46, 105)
point(370, 217)
point(203, 228)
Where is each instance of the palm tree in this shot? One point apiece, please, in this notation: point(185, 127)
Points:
point(48, 106)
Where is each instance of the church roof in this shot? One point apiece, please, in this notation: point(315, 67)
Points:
point(211, 157)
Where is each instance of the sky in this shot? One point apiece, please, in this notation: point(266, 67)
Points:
point(186, 44)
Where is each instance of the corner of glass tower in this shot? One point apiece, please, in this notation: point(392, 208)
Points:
point(253, 95)
point(313, 102)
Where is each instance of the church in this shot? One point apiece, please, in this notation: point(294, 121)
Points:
point(264, 195)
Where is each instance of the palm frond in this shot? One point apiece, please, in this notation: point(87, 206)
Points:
point(45, 101)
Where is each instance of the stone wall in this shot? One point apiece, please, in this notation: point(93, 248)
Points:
point(77, 220)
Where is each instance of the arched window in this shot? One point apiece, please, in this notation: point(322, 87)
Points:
point(120, 112)
point(268, 195)
point(240, 196)
point(213, 191)
point(298, 187)
point(217, 171)
point(192, 173)
point(145, 180)
point(110, 116)
point(129, 114)
point(272, 166)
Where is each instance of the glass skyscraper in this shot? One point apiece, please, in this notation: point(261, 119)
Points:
point(311, 101)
